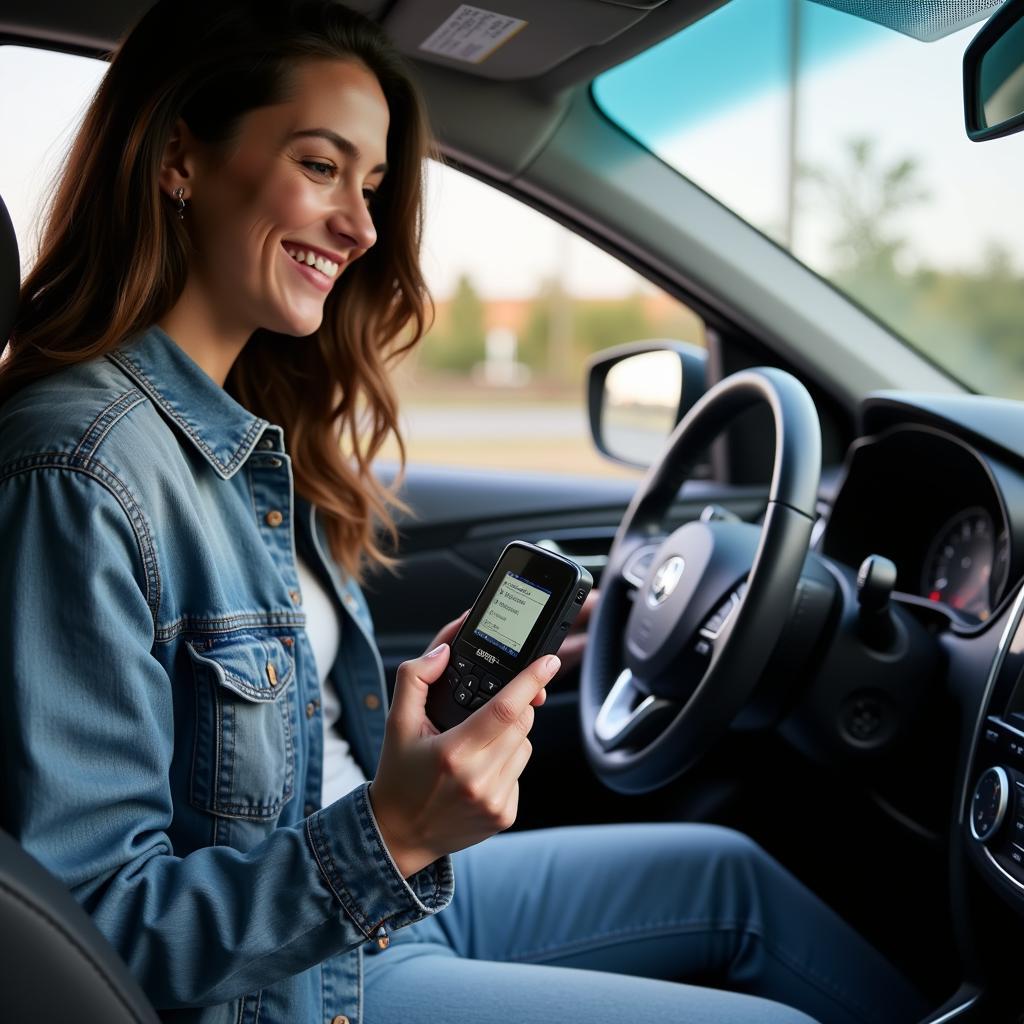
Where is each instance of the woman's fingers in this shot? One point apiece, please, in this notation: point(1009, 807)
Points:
point(586, 610)
point(499, 750)
point(408, 707)
point(511, 806)
point(514, 765)
point(502, 711)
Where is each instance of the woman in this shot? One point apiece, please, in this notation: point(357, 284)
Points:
point(228, 271)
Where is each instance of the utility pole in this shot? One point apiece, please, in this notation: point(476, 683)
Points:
point(791, 134)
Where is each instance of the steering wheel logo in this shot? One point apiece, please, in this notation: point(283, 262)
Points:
point(666, 579)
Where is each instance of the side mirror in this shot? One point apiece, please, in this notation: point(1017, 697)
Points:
point(637, 393)
point(994, 75)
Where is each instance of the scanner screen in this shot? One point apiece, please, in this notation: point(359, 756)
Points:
point(512, 613)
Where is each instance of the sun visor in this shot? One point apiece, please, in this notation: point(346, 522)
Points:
point(926, 20)
point(508, 40)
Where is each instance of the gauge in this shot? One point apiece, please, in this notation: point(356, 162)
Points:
point(967, 564)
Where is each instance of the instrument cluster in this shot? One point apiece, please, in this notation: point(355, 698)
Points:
point(933, 505)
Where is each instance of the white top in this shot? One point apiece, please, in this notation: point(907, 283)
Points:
point(341, 774)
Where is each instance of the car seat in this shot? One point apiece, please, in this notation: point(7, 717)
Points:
point(54, 963)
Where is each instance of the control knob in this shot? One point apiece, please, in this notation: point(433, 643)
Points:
point(988, 808)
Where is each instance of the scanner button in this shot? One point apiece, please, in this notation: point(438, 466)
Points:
point(470, 683)
point(477, 702)
point(580, 596)
point(452, 676)
point(462, 696)
point(489, 686)
point(463, 666)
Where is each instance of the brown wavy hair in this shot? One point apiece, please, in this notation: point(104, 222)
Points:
point(113, 256)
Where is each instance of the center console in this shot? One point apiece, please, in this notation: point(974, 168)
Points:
point(992, 807)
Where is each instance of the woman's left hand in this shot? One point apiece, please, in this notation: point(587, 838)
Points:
point(571, 651)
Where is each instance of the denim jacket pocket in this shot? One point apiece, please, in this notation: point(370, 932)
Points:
point(243, 764)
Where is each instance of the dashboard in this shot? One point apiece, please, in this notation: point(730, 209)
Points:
point(937, 486)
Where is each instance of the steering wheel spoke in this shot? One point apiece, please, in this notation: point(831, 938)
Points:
point(628, 713)
point(637, 563)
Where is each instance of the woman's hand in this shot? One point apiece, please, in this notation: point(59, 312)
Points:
point(435, 793)
point(571, 651)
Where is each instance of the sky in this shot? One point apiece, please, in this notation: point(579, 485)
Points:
point(721, 118)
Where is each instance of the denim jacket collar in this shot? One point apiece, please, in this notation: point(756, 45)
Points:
point(222, 430)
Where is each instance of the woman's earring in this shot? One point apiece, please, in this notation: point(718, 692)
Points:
point(179, 192)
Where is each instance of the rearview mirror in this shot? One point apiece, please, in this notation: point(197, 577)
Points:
point(994, 75)
point(637, 395)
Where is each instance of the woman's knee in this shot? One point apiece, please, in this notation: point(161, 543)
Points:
point(732, 845)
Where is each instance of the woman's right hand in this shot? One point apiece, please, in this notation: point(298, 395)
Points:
point(435, 793)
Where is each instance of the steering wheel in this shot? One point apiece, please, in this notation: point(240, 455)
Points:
point(686, 622)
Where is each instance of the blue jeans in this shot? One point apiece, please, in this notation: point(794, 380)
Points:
point(603, 922)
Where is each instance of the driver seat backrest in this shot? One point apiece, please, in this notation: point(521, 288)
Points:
point(54, 963)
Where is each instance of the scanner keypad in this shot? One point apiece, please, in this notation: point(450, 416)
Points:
point(471, 688)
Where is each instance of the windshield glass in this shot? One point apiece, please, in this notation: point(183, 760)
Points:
point(844, 142)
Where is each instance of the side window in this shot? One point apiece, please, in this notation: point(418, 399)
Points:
point(52, 92)
point(521, 304)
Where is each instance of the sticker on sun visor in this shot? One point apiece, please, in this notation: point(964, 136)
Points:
point(471, 34)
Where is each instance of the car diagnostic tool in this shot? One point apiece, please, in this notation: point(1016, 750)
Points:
point(523, 612)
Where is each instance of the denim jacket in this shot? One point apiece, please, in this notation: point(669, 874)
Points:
point(160, 711)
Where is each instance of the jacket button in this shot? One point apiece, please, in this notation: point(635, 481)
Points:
point(267, 442)
point(340, 1019)
point(274, 518)
point(310, 709)
point(271, 673)
point(295, 596)
point(372, 701)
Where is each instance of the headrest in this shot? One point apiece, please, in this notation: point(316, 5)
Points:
point(10, 274)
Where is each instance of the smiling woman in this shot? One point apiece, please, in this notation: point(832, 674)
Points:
point(302, 134)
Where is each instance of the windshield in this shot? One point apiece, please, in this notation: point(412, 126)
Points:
point(845, 143)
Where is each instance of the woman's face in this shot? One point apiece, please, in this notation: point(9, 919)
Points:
point(295, 188)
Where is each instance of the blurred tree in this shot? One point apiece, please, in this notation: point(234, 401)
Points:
point(457, 343)
point(595, 324)
point(599, 325)
point(533, 343)
point(866, 198)
point(970, 319)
